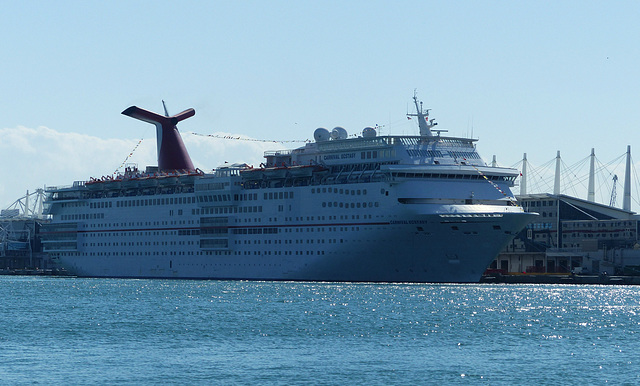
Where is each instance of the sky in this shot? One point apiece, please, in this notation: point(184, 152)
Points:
point(531, 77)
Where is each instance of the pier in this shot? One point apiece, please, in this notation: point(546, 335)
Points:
point(560, 279)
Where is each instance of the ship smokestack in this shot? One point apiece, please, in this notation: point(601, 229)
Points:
point(172, 154)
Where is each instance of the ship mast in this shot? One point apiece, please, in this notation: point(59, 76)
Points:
point(424, 123)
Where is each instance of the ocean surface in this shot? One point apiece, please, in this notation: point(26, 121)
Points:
point(112, 331)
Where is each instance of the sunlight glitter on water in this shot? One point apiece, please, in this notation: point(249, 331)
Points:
point(146, 331)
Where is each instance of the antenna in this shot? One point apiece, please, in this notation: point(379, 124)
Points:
point(166, 113)
point(471, 127)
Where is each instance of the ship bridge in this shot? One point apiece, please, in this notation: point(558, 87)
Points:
point(388, 149)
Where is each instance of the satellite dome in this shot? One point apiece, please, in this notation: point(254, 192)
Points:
point(339, 133)
point(321, 134)
point(369, 132)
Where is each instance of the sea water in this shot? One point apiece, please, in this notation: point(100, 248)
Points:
point(114, 331)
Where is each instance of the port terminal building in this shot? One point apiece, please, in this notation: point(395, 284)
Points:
point(20, 246)
point(20, 243)
point(573, 235)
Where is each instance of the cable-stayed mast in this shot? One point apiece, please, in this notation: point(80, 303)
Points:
point(626, 198)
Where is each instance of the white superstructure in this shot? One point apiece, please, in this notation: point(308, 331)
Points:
point(422, 208)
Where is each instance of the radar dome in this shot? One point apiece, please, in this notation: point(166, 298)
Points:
point(369, 132)
point(321, 134)
point(339, 133)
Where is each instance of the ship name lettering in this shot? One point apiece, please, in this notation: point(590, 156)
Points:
point(339, 156)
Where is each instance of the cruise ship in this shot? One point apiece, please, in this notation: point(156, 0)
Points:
point(420, 208)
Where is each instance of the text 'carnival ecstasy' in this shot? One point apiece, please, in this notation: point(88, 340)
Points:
point(422, 208)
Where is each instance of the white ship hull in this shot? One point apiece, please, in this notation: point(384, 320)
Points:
point(383, 240)
point(384, 253)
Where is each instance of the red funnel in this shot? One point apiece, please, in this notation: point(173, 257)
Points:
point(172, 155)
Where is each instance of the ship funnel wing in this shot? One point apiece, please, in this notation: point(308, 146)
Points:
point(172, 154)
